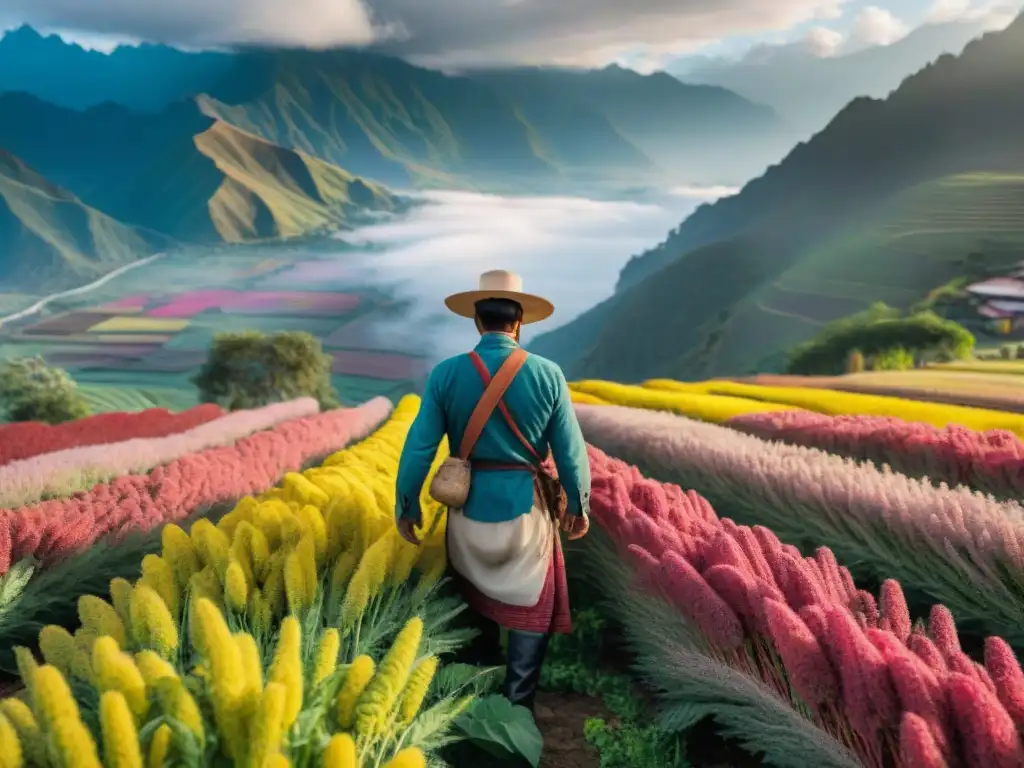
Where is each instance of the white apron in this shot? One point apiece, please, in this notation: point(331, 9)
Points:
point(508, 561)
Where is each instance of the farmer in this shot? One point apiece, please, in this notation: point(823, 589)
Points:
point(503, 544)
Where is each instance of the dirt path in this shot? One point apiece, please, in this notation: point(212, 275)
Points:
point(560, 718)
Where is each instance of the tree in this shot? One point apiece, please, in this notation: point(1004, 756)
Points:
point(875, 332)
point(32, 390)
point(250, 369)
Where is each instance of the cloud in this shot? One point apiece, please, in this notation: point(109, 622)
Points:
point(205, 23)
point(581, 32)
point(449, 33)
point(703, 193)
point(823, 42)
point(877, 26)
point(567, 249)
point(993, 14)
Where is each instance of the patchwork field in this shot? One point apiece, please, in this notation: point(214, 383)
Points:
point(147, 544)
point(146, 332)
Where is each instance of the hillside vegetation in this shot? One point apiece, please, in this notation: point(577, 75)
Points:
point(883, 205)
point(174, 176)
point(711, 134)
point(48, 233)
point(269, 191)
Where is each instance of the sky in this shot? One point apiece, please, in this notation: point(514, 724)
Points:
point(454, 34)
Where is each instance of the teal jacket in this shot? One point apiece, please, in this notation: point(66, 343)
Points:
point(538, 400)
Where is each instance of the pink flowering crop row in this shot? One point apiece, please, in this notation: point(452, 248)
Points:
point(961, 548)
point(894, 694)
point(62, 473)
point(991, 462)
point(25, 439)
point(52, 530)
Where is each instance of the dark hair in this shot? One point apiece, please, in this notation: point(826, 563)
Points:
point(498, 314)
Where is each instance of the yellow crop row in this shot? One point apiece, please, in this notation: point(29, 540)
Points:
point(695, 405)
point(254, 637)
point(582, 398)
point(844, 403)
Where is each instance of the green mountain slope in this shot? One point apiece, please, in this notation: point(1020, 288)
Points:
point(268, 191)
point(175, 176)
point(385, 119)
point(144, 78)
point(884, 204)
point(48, 236)
point(700, 133)
point(808, 90)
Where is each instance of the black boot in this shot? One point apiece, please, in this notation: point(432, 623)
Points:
point(526, 651)
point(484, 650)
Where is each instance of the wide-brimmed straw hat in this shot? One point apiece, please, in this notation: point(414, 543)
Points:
point(501, 284)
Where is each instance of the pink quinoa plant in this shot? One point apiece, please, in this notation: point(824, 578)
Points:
point(25, 439)
point(54, 529)
point(988, 461)
point(961, 549)
point(798, 628)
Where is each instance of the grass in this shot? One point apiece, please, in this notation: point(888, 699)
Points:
point(111, 399)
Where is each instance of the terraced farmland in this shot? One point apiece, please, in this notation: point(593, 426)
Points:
point(914, 242)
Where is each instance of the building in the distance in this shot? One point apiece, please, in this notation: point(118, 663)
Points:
point(1000, 301)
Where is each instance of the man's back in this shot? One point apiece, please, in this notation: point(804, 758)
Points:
point(538, 400)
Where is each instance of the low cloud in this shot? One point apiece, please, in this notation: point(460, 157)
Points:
point(204, 23)
point(703, 193)
point(877, 26)
point(823, 42)
point(448, 33)
point(994, 15)
point(569, 250)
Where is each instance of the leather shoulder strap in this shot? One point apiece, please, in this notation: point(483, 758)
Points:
point(485, 375)
point(493, 392)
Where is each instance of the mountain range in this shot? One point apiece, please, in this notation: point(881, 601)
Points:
point(393, 122)
point(809, 89)
point(884, 204)
point(179, 147)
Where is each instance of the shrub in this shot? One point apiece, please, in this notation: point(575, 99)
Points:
point(894, 359)
point(32, 390)
point(875, 331)
point(250, 369)
point(855, 361)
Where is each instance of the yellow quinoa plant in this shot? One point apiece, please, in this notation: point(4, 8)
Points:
point(298, 630)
